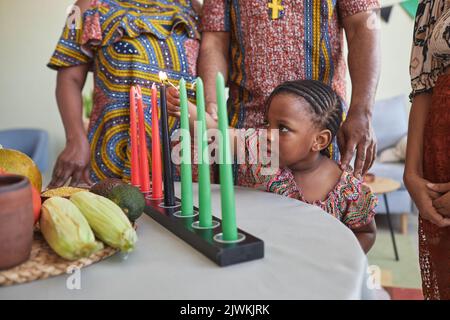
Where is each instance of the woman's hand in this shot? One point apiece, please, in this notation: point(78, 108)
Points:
point(442, 202)
point(356, 135)
point(173, 105)
point(173, 102)
point(424, 198)
point(72, 163)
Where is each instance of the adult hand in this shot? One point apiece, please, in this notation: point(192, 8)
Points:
point(173, 102)
point(441, 203)
point(72, 163)
point(423, 198)
point(211, 108)
point(356, 134)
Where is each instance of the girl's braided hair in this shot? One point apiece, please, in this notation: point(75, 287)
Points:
point(325, 104)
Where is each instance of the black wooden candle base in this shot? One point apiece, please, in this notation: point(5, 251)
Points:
point(223, 254)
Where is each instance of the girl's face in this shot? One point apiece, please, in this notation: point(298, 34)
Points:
point(299, 138)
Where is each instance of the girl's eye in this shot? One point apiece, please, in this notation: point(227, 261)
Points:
point(266, 124)
point(283, 129)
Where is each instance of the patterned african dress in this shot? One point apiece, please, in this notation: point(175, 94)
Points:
point(350, 201)
point(273, 41)
point(429, 59)
point(127, 43)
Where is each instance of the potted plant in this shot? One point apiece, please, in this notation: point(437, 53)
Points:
point(88, 104)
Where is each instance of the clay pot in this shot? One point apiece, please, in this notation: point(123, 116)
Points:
point(16, 220)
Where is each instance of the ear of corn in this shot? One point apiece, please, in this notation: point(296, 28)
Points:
point(66, 230)
point(109, 222)
point(61, 192)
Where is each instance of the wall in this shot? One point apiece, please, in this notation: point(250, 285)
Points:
point(396, 40)
point(29, 30)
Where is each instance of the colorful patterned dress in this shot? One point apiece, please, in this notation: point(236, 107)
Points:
point(127, 43)
point(429, 59)
point(350, 201)
point(273, 41)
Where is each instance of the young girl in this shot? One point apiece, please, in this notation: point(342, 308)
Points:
point(307, 115)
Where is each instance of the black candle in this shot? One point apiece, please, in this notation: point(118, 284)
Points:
point(169, 193)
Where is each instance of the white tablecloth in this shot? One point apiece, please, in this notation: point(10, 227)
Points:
point(308, 255)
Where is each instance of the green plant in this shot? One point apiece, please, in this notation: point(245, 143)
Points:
point(88, 104)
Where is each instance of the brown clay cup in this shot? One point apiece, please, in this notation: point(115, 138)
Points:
point(16, 220)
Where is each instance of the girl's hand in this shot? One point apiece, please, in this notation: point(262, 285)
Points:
point(441, 203)
point(366, 236)
point(423, 197)
point(173, 102)
point(72, 163)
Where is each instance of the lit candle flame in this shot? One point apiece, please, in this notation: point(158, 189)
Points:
point(162, 76)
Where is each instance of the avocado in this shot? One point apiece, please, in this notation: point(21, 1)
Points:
point(129, 199)
point(104, 187)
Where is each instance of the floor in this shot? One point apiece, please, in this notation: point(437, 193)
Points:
point(406, 267)
point(381, 220)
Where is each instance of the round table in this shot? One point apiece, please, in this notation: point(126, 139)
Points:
point(308, 255)
point(382, 186)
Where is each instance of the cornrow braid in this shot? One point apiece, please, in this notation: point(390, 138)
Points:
point(325, 104)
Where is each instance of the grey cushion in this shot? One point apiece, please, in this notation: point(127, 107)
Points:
point(390, 121)
point(390, 125)
point(32, 142)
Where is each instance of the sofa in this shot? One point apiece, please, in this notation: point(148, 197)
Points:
point(390, 123)
point(32, 142)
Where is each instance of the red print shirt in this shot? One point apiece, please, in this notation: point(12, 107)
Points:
point(273, 41)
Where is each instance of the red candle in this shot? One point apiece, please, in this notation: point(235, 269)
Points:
point(135, 178)
point(143, 151)
point(156, 149)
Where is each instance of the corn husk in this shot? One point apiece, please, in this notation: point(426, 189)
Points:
point(109, 222)
point(66, 230)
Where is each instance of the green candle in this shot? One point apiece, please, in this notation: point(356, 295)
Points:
point(186, 167)
point(204, 183)
point(229, 229)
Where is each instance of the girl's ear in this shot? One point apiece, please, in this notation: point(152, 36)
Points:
point(322, 140)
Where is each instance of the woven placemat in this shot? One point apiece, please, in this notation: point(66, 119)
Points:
point(45, 263)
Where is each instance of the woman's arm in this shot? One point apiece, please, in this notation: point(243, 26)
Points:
point(69, 87)
point(413, 176)
point(74, 159)
point(356, 133)
point(366, 236)
point(173, 107)
point(414, 151)
point(214, 50)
